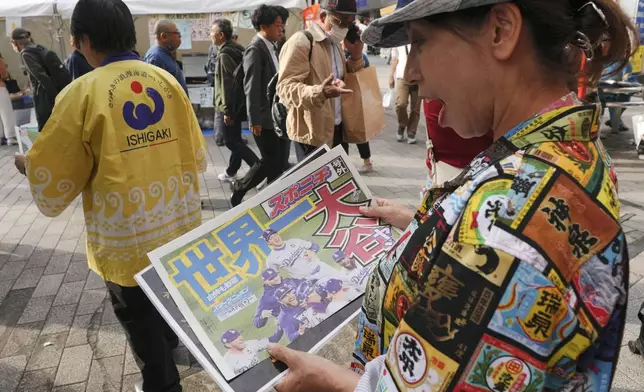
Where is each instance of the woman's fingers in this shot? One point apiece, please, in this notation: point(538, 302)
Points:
point(284, 354)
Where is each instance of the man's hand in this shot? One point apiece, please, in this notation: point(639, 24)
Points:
point(394, 214)
point(267, 313)
point(19, 161)
point(257, 130)
point(302, 329)
point(310, 373)
point(333, 88)
point(392, 81)
point(228, 121)
point(355, 49)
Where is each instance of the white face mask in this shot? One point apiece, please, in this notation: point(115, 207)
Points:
point(338, 34)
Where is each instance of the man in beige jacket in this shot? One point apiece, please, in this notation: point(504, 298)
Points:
point(311, 73)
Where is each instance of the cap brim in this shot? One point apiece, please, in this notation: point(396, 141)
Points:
point(389, 31)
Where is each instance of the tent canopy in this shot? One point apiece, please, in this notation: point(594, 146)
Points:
point(30, 8)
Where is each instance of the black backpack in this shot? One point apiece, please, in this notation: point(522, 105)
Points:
point(279, 112)
point(238, 106)
point(53, 66)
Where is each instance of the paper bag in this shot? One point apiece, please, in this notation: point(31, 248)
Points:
point(363, 116)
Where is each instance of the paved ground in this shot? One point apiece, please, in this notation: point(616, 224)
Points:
point(57, 330)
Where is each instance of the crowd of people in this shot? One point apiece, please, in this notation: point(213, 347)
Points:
point(514, 164)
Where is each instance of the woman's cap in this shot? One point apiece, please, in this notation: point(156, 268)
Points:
point(389, 31)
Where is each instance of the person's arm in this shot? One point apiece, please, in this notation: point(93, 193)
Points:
point(60, 162)
point(294, 71)
point(227, 70)
point(258, 320)
point(277, 336)
point(38, 72)
point(253, 86)
point(394, 65)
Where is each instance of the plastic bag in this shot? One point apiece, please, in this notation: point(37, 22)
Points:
point(387, 98)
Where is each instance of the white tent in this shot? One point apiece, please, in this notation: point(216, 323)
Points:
point(30, 8)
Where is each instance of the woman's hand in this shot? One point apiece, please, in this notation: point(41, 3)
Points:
point(310, 373)
point(394, 214)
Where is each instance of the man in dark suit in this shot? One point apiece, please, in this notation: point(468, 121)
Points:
point(260, 65)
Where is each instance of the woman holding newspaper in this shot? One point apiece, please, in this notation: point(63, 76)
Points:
point(513, 276)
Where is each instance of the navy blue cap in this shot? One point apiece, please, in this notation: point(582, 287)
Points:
point(268, 233)
point(229, 336)
point(282, 291)
point(338, 255)
point(269, 274)
point(333, 286)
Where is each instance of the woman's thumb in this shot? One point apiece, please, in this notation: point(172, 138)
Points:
point(279, 352)
point(372, 211)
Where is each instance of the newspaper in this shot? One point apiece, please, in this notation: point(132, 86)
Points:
point(276, 268)
point(27, 135)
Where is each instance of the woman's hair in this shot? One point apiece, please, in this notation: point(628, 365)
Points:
point(562, 31)
point(108, 24)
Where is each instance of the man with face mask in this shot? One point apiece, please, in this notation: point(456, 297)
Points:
point(168, 40)
point(311, 74)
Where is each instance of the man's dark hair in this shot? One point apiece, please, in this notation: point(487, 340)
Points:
point(283, 13)
point(108, 24)
point(226, 27)
point(265, 15)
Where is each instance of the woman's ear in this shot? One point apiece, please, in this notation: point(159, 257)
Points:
point(505, 23)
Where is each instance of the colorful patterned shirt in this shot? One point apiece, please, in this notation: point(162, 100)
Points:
point(514, 279)
point(126, 137)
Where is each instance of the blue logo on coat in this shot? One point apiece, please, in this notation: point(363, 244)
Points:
point(142, 116)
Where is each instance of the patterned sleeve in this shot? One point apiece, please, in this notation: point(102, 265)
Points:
point(486, 320)
point(60, 162)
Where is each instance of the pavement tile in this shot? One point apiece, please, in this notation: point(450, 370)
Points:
point(12, 270)
point(22, 340)
point(111, 341)
point(47, 351)
point(84, 330)
point(58, 264)
point(72, 388)
point(36, 310)
point(22, 252)
point(129, 380)
point(59, 320)
point(38, 380)
point(11, 369)
point(78, 270)
point(623, 383)
point(636, 292)
point(5, 286)
point(130, 366)
point(28, 278)
point(40, 258)
point(69, 293)
point(48, 285)
point(91, 301)
point(631, 365)
point(108, 316)
point(10, 311)
point(74, 365)
point(105, 374)
point(68, 245)
point(94, 281)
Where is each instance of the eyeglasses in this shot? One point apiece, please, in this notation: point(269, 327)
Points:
point(341, 22)
point(178, 33)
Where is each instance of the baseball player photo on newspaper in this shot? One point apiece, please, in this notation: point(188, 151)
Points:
point(287, 266)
